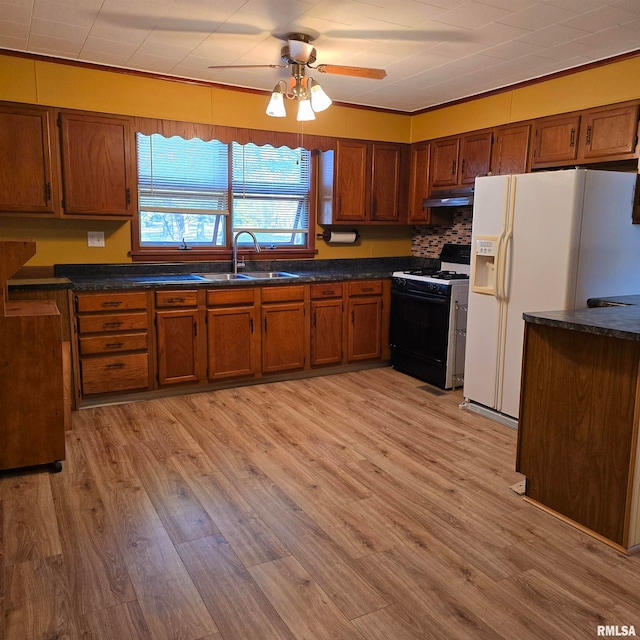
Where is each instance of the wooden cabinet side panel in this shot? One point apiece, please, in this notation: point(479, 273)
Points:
point(576, 425)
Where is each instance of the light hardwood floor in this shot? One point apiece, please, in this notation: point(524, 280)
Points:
point(357, 506)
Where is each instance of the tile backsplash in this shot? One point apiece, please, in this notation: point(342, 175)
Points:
point(426, 242)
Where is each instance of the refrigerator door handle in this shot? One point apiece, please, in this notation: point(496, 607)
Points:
point(499, 261)
point(505, 240)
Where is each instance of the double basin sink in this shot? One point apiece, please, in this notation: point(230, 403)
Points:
point(212, 277)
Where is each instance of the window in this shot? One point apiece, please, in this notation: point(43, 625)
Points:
point(196, 194)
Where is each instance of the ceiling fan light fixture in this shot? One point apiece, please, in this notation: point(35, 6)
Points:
point(275, 108)
point(305, 112)
point(319, 99)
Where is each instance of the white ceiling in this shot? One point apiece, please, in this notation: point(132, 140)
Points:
point(434, 51)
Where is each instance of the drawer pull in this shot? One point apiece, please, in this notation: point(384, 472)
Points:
point(110, 325)
point(114, 345)
point(367, 288)
point(176, 300)
point(115, 365)
point(112, 303)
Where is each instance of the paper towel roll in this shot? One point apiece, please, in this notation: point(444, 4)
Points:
point(342, 237)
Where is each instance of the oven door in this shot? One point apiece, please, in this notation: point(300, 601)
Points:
point(419, 334)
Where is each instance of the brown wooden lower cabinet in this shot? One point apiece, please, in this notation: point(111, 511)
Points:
point(284, 329)
point(364, 322)
point(578, 430)
point(32, 405)
point(113, 342)
point(206, 336)
point(232, 347)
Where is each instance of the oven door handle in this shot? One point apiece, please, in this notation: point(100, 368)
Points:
point(423, 297)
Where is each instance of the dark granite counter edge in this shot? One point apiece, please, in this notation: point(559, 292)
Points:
point(614, 322)
point(106, 277)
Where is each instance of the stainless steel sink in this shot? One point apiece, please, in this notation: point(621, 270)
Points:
point(223, 276)
point(259, 275)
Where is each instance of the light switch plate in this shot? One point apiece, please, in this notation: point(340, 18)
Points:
point(95, 238)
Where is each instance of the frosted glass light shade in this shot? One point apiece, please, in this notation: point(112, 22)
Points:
point(275, 108)
point(305, 112)
point(319, 99)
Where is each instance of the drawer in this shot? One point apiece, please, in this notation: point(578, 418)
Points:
point(113, 344)
point(283, 294)
point(188, 298)
point(115, 373)
point(328, 290)
point(110, 301)
point(365, 288)
point(229, 297)
point(113, 322)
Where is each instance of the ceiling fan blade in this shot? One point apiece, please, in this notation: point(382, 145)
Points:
point(358, 72)
point(249, 66)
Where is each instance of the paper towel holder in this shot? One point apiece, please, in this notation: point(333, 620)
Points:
point(326, 235)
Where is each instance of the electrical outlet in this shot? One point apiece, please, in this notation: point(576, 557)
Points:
point(95, 238)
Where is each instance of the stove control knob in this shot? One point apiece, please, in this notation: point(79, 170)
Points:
point(399, 283)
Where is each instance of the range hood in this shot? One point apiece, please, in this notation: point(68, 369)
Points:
point(450, 198)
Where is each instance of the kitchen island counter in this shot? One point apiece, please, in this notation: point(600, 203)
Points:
point(579, 417)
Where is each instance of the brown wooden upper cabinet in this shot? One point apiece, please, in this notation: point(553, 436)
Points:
point(595, 135)
point(458, 161)
point(419, 183)
point(98, 173)
point(359, 182)
point(28, 182)
point(511, 150)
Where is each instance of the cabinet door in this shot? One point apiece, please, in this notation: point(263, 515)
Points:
point(177, 352)
point(444, 162)
point(27, 182)
point(326, 332)
point(97, 165)
point(350, 196)
point(419, 183)
point(365, 328)
point(556, 140)
point(510, 153)
point(610, 134)
point(385, 182)
point(283, 337)
point(231, 342)
point(475, 156)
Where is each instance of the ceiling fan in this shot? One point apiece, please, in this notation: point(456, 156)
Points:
point(299, 54)
point(299, 51)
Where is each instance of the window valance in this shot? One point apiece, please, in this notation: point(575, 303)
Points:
point(189, 130)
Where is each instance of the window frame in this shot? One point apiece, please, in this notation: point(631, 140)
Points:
point(141, 253)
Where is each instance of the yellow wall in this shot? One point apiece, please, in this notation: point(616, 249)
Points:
point(60, 85)
point(604, 85)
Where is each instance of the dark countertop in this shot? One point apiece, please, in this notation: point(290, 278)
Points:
point(615, 317)
point(105, 277)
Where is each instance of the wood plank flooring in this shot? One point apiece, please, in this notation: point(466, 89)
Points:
point(361, 506)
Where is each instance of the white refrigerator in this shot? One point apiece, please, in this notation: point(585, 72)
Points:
point(540, 242)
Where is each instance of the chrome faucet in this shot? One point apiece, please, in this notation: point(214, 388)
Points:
point(234, 246)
